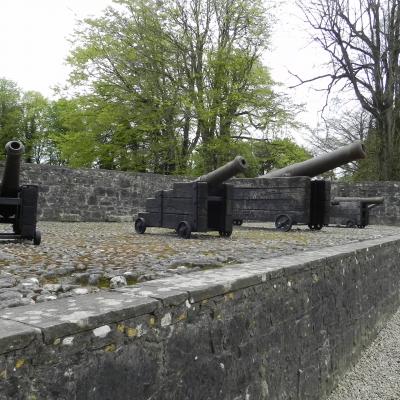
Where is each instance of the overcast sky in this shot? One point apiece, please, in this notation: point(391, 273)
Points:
point(33, 45)
point(33, 39)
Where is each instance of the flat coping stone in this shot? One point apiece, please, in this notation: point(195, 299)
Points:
point(67, 316)
point(71, 315)
point(166, 294)
point(16, 335)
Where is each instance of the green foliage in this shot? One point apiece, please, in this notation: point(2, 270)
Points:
point(10, 112)
point(368, 168)
point(219, 151)
point(162, 87)
point(168, 76)
point(261, 156)
point(279, 153)
point(36, 121)
point(26, 117)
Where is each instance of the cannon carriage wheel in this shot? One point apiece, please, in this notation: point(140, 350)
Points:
point(184, 230)
point(37, 237)
point(283, 223)
point(225, 233)
point(315, 227)
point(237, 222)
point(140, 225)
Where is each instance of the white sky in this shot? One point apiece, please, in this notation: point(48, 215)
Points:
point(33, 39)
point(33, 46)
point(292, 50)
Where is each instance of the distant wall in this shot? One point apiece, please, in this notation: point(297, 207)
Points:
point(91, 194)
point(101, 195)
point(281, 328)
point(385, 214)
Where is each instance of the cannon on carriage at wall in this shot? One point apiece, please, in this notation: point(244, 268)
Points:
point(18, 204)
point(289, 196)
point(199, 206)
point(352, 211)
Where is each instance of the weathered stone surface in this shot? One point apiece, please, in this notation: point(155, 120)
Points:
point(71, 315)
point(85, 257)
point(117, 282)
point(160, 291)
point(75, 195)
point(15, 336)
point(276, 329)
point(7, 281)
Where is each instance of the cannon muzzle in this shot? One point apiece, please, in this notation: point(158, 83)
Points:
point(318, 165)
point(10, 182)
point(227, 171)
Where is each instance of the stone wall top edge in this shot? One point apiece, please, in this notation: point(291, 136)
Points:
point(99, 170)
point(93, 170)
point(64, 317)
point(375, 183)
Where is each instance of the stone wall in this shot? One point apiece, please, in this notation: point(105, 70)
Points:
point(283, 328)
point(101, 195)
point(90, 194)
point(387, 213)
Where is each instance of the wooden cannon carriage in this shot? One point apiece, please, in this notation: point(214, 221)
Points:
point(352, 211)
point(18, 203)
point(289, 196)
point(285, 201)
point(199, 206)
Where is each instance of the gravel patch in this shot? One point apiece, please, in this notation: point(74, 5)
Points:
point(376, 376)
point(80, 258)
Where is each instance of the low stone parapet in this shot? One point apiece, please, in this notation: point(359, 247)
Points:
point(288, 327)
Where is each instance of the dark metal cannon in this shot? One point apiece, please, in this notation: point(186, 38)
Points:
point(352, 211)
point(222, 174)
point(323, 163)
point(198, 206)
point(289, 196)
point(18, 204)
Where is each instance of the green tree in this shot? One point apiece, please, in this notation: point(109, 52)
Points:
point(70, 133)
point(169, 76)
point(35, 126)
point(279, 153)
point(26, 116)
point(261, 155)
point(10, 112)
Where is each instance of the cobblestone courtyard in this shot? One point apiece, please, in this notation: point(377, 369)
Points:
point(78, 258)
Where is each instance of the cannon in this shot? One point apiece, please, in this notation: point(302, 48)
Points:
point(202, 205)
point(323, 163)
point(352, 211)
point(18, 204)
point(289, 196)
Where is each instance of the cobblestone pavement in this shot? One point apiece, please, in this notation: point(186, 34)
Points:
point(376, 376)
point(78, 258)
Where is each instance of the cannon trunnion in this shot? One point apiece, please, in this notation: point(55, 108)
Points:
point(286, 201)
point(199, 206)
point(18, 204)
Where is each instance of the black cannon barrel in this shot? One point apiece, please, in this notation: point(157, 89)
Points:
point(10, 183)
point(366, 200)
point(323, 163)
point(227, 171)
